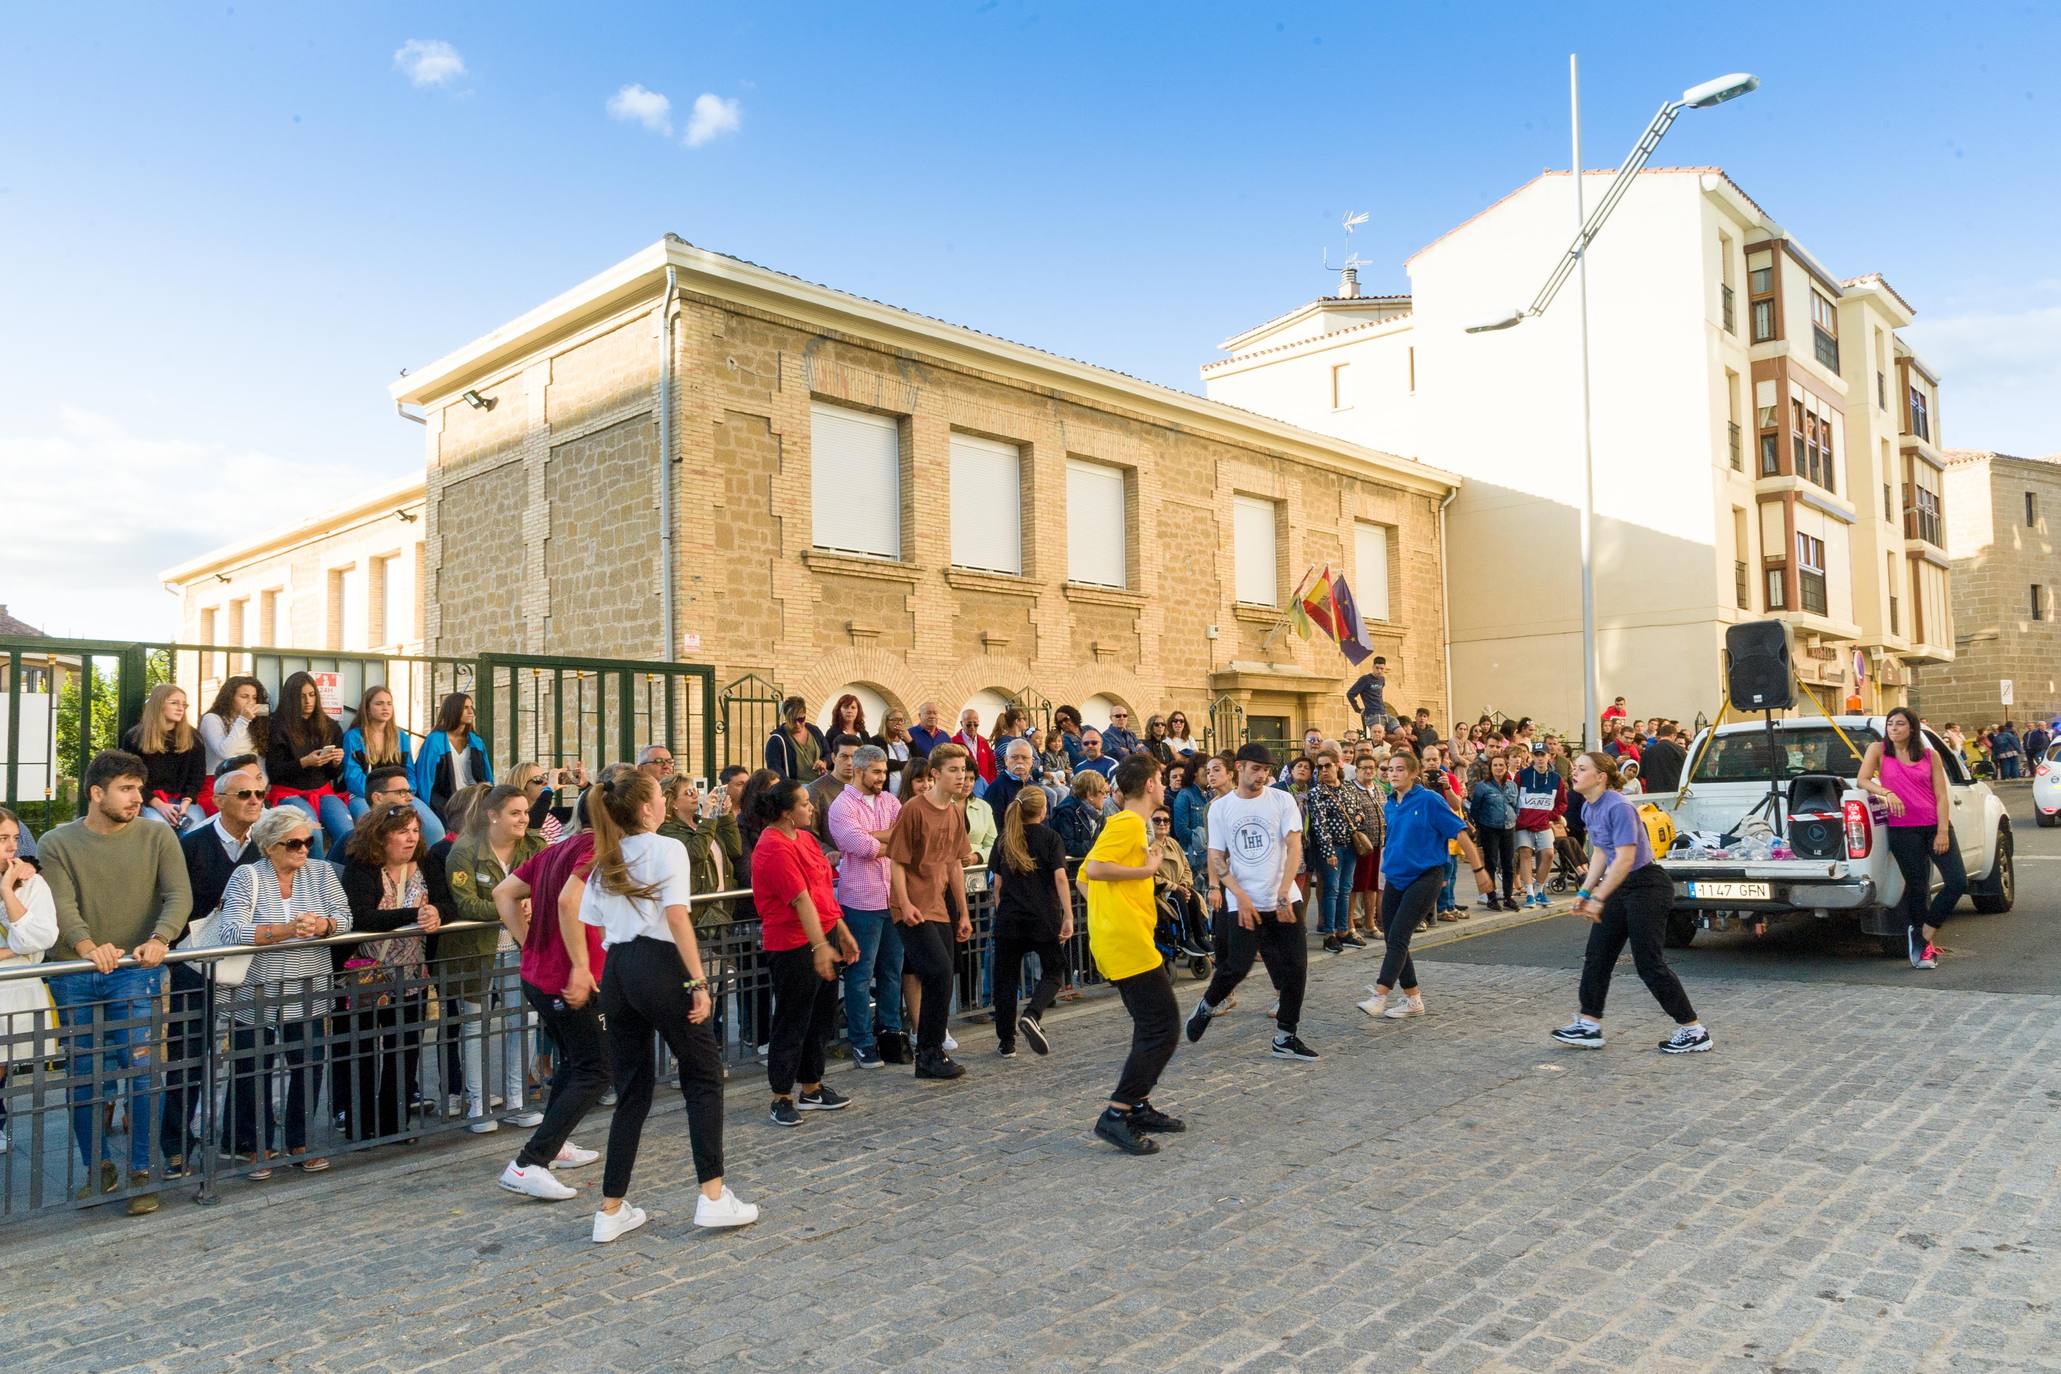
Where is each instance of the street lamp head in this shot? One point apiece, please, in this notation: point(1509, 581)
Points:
point(1719, 91)
point(1515, 317)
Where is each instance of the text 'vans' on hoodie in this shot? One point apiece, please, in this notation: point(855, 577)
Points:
point(1541, 798)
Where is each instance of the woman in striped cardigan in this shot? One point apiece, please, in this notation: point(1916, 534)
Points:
point(280, 903)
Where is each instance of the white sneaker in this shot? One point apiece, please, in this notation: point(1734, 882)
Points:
point(536, 1183)
point(1376, 1003)
point(1409, 1006)
point(482, 1125)
point(525, 1119)
point(951, 1045)
point(1273, 1011)
point(724, 1212)
point(3, 1141)
point(571, 1156)
point(610, 1225)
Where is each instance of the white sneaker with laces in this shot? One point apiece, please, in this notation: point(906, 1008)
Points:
point(1409, 1006)
point(951, 1045)
point(1376, 1003)
point(525, 1119)
point(482, 1125)
point(623, 1220)
point(724, 1212)
point(571, 1156)
point(536, 1183)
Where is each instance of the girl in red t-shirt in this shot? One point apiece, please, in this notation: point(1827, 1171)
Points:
point(806, 943)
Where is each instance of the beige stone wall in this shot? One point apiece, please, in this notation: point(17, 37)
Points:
point(1997, 557)
point(568, 494)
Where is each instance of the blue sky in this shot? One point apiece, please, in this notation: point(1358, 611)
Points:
point(227, 228)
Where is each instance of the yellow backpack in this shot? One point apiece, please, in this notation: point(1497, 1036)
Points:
point(1660, 828)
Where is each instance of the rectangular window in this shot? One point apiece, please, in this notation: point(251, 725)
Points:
point(1095, 523)
point(1763, 321)
point(2039, 606)
point(1888, 506)
point(207, 625)
point(396, 601)
point(1775, 597)
point(987, 504)
point(1761, 280)
point(1770, 454)
point(1253, 522)
point(2032, 509)
point(1341, 386)
point(1370, 570)
point(1921, 424)
point(1889, 573)
point(347, 608)
point(1810, 572)
point(855, 481)
point(239, 621)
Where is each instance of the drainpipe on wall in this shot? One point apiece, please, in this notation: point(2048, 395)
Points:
point(665, 467)
point(1445, 603)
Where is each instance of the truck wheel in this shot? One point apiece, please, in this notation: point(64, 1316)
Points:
point(2001, 889)
point(1681, 931)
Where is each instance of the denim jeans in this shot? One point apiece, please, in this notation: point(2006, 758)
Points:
point(334, 822)
point(873, 985)
point(1447, 897)
point(1334, 905)
point(432, 828)
point(109, 1014)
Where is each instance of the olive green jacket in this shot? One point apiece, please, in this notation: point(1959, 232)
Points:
point(467, 956)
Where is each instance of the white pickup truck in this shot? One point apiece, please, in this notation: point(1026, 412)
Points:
point(1844, 869)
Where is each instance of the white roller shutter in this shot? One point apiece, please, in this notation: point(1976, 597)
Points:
point(1252, 548)
point(1094, 523)
point(855, 481)
point(987, 504)
point(1370, 570)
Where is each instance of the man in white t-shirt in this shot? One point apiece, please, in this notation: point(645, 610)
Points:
point(1255, 851)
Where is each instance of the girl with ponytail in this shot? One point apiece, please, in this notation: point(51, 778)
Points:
point(1033, 915)
point(639, 893)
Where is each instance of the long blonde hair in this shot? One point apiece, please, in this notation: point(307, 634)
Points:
point(1027, 810)
point(153, 736)
point(378, 750)
point(618, 815)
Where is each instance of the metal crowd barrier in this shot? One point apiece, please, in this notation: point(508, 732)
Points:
point(364, 1058)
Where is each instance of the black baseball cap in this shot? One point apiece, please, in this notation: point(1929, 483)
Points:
point(1254, 753)
point(1538, 748)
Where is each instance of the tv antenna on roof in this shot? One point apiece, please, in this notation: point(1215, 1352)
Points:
point(1349, 271)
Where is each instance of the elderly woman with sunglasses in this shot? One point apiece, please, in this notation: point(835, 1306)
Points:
point(280, 903)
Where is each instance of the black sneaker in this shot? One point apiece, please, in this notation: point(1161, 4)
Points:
point(1686, 1040)
point(1288, 1047)
point(893, 1047)
point(824, 1099)
point(1005, 1051)
point(938, 1064)
point(784, 1113)
point(1119, 1130)
point(1352, 937)
point(1580, 1034)
point(1198, 1020)
point(1034, 1034)
point(1146, 1117)
point(1332, 945)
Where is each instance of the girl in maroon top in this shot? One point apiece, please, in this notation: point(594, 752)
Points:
point(806, 943)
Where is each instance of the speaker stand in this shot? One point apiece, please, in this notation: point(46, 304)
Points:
point(1772, 803)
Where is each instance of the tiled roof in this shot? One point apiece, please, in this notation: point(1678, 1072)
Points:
point(1599, 171)
point(1876, 279)
point(1958, 456)
point(1298, 343)
point(11, 626)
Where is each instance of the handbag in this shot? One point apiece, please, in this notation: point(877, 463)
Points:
point(230, 970)
point(1362, 845)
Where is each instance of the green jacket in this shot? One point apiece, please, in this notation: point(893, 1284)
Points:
point(467, 956)
point(720, 832)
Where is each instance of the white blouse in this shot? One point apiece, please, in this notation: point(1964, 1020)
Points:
point(653, 860)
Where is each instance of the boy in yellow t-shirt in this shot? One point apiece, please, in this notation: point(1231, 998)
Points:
point(1118, 873)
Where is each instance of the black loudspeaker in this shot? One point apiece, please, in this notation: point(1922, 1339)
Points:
point(1817, 821)
point(1757, 674)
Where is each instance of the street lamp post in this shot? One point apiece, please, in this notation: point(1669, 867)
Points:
point(1575, 261)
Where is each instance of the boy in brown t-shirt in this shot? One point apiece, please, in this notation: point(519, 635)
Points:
point(927, 889)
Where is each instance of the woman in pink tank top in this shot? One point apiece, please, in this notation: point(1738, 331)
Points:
point(1910, 779)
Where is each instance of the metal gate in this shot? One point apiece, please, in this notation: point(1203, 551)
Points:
point(1036, 704)
point(1226, 726)
point(551, 709)
point(751, 710)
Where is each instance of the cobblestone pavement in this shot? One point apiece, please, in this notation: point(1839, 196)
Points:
point(1857, 1178)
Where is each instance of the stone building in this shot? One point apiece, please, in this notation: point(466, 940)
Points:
point(867, 499)
point(2001, 515)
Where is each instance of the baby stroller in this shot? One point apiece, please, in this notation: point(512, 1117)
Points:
point(1570, 863)
point(1181, 933)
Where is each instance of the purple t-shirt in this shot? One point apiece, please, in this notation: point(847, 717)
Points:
point(1613, 821)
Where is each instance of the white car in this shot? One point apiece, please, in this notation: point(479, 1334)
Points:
point(2046, 786)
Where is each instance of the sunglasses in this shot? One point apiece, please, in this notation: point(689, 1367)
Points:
point(243, 794)
point(298, 846)
point(1162, 820)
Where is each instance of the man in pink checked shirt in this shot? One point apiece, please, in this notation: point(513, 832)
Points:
point(861, 817)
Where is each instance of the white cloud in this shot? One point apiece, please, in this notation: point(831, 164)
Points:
point(108, 509)
point(635, 105)
point(1999, 372)
point(429, 61)
point(711, 118)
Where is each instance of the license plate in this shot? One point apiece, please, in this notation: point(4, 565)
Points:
point(1734, 892)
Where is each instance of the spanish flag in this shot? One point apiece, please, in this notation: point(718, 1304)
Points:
point(1318, 605)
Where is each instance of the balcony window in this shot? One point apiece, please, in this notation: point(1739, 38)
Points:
point(1730, 314)
point(1921, 422)
point(1763, 321)
point(1739, 584)
point(1828, 349)
point(1825, 329)
point(1810, 572)
point(1921, 514)
point(1894, 628)
point(1761, 280)
point(1738, 462)
point(1770, 454)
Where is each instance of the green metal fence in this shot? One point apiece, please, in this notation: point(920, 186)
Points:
point(65, 700)
point(751, 708)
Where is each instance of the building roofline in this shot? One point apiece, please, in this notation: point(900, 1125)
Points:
point(1230, 345)
point(1315, 343)
point(1875, 281)
point(412, 488)
point(1498, 203)
point(1963, 457)
point(641, 276)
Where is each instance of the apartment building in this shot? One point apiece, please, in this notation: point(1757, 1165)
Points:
point(865, 499)
point(2001, 523)
point(1764, 445)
